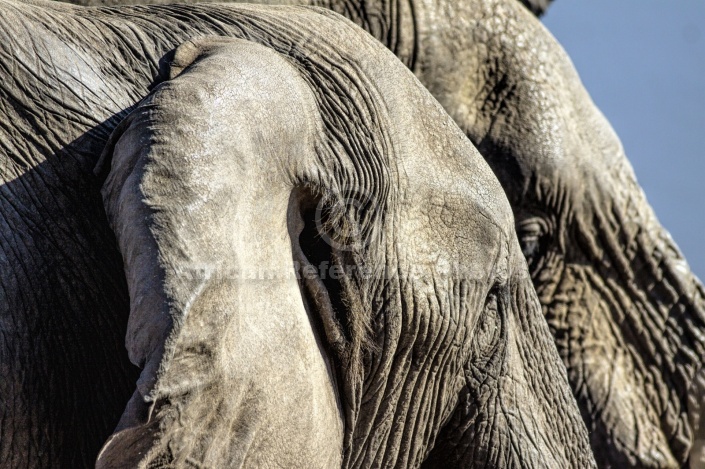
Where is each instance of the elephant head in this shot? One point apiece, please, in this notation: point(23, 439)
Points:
point(440, 348)
point(511, 88)
point(626, 312)
point(322, 269)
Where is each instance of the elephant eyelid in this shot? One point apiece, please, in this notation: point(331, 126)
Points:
point(531, 229)
point(533, 233)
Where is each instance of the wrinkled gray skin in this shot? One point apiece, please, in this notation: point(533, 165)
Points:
point(484, 70)
point(538, 7)
point(449, 338)
point(627, 313)
point(432, 349)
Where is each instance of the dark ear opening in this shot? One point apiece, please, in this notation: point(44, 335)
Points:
point(332, 286)
point(319, 270)
point(330, 276)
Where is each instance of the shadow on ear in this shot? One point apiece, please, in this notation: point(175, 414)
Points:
point(332, 277)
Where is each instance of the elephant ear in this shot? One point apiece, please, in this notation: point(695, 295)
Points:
point(659, 304)
point(200, 199)
point(537, 7)
point(230, 188)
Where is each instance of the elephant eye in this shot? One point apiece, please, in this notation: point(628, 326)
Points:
point(532, 233)
point(487, 335)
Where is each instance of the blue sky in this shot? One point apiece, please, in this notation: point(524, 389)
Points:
point(643, 62)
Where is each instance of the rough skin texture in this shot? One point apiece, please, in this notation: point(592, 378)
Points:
point(442, 347)
point(627, 313)
point(537, 7)
point(512, 89)
point(453, 365)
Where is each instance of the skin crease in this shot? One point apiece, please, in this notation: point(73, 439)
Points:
point(451, 65)
point(627, 313)
point(165, 176)
point(440, 358)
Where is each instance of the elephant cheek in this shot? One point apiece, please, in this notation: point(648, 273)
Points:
point(518, 410)
point(622, 397)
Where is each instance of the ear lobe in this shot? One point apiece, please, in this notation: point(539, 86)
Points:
point(184, 55)
point(192, 228)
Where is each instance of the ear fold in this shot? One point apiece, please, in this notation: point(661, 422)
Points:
point(217, 321)
point(189, 53)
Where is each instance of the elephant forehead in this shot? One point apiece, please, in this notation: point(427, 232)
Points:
point(451, 199)
point(453, 228)
point(454, 209)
